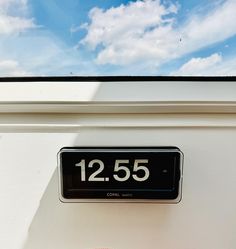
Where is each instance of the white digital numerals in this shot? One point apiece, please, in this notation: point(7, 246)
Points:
point(122, 172)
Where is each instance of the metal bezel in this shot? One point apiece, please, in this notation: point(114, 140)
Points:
point(125, 149)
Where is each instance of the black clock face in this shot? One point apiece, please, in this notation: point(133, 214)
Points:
point(120, 173)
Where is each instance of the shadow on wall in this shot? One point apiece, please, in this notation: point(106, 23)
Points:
point(59, 225)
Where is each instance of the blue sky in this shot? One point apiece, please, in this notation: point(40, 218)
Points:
point(115, 37)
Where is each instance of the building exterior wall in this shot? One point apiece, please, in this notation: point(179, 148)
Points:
point(32, 216)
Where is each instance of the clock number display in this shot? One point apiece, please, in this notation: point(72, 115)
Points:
point(121, 172)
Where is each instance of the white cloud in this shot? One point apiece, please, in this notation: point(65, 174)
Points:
point(227, 68)
point(147, 32)
point(215, 26)
point(46, 54)
point(5, 4)
point(131, 32)
point(11, 24)
point(13, 17)
point(199, 66)
point(11, 68)
point(212, 65)
point(74, 29)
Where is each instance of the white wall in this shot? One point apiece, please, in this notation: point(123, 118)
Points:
point(32, 216)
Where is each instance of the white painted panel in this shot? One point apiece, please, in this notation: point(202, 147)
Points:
point(27, 162)
point(85, 92)
point(205, 218)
